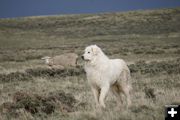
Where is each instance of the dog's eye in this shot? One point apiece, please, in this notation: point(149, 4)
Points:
point(88, 52)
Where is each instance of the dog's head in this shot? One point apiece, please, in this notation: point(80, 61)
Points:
point(91, 52)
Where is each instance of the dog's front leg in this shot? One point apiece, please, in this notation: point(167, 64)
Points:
point(96, 93)
point(103, 93)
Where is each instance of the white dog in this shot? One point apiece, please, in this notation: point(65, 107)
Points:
point(106, 74)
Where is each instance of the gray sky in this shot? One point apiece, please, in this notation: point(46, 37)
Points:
point(20, 8)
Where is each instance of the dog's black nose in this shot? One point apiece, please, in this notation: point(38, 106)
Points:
point(82, 57)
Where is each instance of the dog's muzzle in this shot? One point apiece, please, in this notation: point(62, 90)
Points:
point(86, 60)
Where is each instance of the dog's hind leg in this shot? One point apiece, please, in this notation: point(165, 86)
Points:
point(126, 86)
point(126, 92)
point(116, 90)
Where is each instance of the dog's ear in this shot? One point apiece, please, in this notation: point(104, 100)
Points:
point(95, 49)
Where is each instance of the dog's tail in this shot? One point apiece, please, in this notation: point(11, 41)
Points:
point(127, 77)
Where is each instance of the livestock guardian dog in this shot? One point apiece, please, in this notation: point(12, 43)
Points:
point(106, 74)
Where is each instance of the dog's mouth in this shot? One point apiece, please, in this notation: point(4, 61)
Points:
point(86, 60)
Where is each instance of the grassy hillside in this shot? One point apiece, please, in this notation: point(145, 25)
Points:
point(149, 41)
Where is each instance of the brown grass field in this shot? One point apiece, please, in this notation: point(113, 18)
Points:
point(149, 41)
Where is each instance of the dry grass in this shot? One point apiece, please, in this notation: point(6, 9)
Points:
point(31, 91)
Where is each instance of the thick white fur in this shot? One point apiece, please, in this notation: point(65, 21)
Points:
point(106, 74)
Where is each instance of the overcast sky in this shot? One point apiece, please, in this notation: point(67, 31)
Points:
point(20, 8)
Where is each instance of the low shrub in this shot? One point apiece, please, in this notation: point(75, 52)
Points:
point(40, 72)
point(169, 67)
point(15, 76)
point(34, 103)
